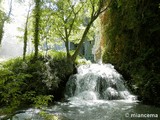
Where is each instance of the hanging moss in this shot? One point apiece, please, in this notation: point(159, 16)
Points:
point(132, 45)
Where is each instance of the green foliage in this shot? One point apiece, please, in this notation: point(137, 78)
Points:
point(42, 100)
point(47, 116)
point(10, 87)
point(132, 28)
point(57, 55)
point(65, 21)
point(32, 82)
point(80, 61)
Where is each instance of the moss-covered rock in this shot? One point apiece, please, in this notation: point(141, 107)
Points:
point(132, 30)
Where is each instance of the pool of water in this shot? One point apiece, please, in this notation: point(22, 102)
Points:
point(95, 110)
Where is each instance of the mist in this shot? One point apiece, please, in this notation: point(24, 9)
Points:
point(11, 45)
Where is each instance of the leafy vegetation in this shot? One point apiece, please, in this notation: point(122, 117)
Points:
point(62, 22)
point(132, 35)
point(47, 116)
point(33, 82)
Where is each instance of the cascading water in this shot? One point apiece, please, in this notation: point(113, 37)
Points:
point(97, 81)
point(96, 92)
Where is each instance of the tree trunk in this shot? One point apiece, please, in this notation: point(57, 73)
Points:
point(74, 56)
point(66, 44)
point(25, 37)
point(4, 18)
point(67, 49)
point(36, 28)
point(1, 31)
point(94, 16)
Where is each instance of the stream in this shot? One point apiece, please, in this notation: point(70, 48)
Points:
point(96, 92)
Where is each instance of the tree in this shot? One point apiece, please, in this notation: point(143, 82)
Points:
point(96, 8)
point(2, 15)
point(25, 37)
point(3, 18)
point(36, 26)
point(67, 21)
point(74, 17)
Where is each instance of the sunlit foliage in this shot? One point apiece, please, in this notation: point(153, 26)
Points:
point(33, 83)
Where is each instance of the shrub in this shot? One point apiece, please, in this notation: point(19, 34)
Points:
point(33, 82)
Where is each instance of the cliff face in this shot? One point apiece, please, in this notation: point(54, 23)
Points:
point(131, 30)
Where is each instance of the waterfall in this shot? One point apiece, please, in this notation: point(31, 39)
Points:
point(96, 92)
point(97, 82)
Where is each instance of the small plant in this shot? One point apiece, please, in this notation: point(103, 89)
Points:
point(82, 62)
point(42, 100)
point(47, 116)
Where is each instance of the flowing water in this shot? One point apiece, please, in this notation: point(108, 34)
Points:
point(97, 82)
point(96, 92)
